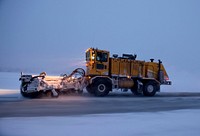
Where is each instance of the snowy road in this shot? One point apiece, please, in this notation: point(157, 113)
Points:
point(13, 105)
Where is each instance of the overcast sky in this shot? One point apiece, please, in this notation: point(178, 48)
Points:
point(52, 35)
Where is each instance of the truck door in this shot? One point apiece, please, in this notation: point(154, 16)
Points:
point(102, 62)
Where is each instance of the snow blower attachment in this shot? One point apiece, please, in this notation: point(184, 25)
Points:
point(33, 85)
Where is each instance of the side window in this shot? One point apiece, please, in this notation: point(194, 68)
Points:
point(98, 56)
point(103, 57)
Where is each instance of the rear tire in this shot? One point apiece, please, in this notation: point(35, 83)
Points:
point(150, 88)
point(101, 88)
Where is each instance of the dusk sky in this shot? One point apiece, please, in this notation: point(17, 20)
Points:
point(52, 35)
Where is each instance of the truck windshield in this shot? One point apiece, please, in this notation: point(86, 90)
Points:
point(102, 57)
point(88, 56)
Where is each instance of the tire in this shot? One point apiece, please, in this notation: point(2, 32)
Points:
point(23, 88)
point(89, 89)
point(150, 88)
point(101, 88)
point(23, 92)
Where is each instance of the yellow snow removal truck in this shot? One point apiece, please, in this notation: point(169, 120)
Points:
point(103, 74)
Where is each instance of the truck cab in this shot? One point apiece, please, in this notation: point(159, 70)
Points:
point(97, 62)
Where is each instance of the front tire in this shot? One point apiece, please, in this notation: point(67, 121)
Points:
point(101, 88)
point(150, 88)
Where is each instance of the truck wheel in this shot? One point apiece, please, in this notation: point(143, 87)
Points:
point(150, 88)
point(23, 88)
point(101, 88)
point(89, 89)
point(23, 92)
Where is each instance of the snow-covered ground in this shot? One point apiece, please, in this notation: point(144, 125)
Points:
point(168, 123)
point(9, 81)
point(171, 123)
point(9, 85)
